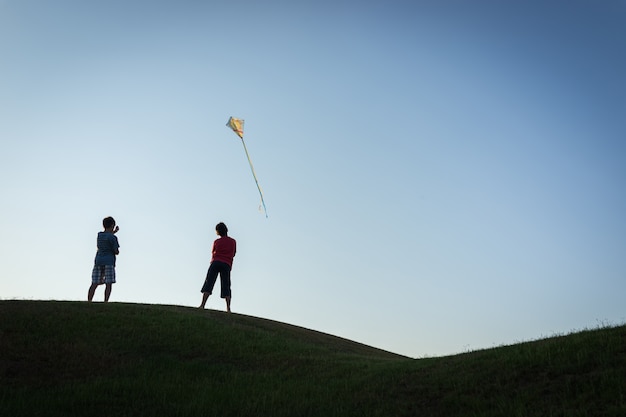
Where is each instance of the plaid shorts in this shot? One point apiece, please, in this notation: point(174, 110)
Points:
point(103, 274)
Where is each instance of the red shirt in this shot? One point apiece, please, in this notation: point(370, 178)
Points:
point(224, 250)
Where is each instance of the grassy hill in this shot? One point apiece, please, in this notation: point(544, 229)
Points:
point(81, 359)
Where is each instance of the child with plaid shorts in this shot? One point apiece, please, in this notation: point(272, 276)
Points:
point(104, 264)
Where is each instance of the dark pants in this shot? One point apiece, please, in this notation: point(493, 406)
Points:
point(223, 269)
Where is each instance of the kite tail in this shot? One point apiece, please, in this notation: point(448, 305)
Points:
point(254, 175)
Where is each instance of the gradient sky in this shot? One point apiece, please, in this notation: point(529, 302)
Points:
point(439, 176)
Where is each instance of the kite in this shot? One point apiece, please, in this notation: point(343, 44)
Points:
point(237, 126)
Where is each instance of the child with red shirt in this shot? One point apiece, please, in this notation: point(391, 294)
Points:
point(224, 249)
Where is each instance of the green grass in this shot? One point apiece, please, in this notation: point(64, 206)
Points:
point(81, 359)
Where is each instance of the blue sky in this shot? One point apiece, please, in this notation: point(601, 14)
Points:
point(439, 176)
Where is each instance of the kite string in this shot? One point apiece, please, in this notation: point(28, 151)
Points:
point(254, 175)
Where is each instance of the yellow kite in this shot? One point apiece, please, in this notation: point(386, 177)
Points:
point(237, 126)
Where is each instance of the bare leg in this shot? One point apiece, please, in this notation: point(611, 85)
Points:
point(107, 292)
point(228, 304)
point(92, 291)
point(205, 296)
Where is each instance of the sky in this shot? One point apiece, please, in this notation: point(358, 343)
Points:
point(439, 176)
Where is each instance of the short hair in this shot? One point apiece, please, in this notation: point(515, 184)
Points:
point(221, 229)
point(108, 222)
